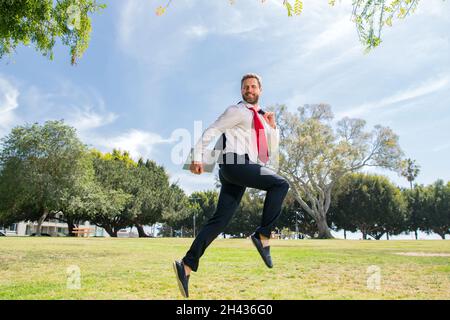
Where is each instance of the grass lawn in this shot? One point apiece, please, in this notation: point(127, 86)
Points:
point(37, 268)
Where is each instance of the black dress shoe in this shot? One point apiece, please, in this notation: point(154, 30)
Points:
point(182, 279)
point(263, 251)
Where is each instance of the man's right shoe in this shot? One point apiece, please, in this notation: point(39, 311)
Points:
point(263, 251)
point(182, 279)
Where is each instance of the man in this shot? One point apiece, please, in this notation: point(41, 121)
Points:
point(250, 145)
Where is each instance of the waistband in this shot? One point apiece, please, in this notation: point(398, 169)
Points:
point(233, 158)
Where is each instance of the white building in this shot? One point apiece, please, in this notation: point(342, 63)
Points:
point(53, 227)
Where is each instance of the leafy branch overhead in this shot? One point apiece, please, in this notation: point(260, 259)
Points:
point(42, 22)
point(370, 16)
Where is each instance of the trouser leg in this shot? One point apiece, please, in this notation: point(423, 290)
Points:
point(255, 176)
point(229, 199)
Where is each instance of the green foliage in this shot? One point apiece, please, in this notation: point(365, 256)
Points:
point(437, 215)
point(417, 200)
point(40, 167)
point(409, 169)
point(429, 208)
point(370, 16)
point(139, 190)
point(369, 203)
point(41, 22)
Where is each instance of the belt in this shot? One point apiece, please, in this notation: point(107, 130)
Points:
point(234, 158)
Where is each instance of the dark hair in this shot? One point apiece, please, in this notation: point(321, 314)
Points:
point(251, 76)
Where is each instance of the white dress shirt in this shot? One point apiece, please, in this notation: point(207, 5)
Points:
point(237, 124)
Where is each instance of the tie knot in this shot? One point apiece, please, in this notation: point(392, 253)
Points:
point(254, 108)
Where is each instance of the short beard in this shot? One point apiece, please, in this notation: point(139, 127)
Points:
point(256, 98)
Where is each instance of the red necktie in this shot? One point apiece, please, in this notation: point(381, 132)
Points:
point(261, 141)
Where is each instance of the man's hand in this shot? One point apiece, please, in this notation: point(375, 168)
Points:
point(270, 119)
point(196, 167)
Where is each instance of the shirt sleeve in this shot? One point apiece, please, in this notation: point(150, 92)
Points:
point(273, 140)
point(227, 120)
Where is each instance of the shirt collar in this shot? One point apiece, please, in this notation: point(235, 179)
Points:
point(248, 105)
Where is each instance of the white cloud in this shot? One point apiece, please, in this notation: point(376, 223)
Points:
point(197, 31)
point(85, 118)
point(139, 143)
point(190, 182)
point(9, 95)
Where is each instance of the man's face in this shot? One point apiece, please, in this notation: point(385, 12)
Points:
point(250, 90)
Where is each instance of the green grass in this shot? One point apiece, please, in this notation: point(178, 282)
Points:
point(36, 268)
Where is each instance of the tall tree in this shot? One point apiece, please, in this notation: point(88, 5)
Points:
point(314, 156)
point(410, 170)
point(41, 165)
point(41, 22)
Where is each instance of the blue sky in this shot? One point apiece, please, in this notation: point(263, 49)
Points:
point(144, 77)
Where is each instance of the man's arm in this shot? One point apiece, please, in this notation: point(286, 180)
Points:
point(227, 120)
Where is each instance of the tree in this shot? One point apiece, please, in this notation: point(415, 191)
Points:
point(369, 203)
point(437, 215)
point(40, 167)
point(141, 190)
point(410, 170)
point(417, 200)
point(179, 212)
point(151, 194)
point(112, 204)
point(42, 22)
point(313, 157)
point(204, 206)
point(294, 217)
point(369, 16)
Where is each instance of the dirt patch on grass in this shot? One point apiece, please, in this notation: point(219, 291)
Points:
point(423, 254)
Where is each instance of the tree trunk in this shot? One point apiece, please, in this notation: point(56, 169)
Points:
point(40, 221)
point(345, 234)
point(71, 226)
point(387, 235)
point(111, 231)
point(415, 233)
point(140, 229)
point(324, 230)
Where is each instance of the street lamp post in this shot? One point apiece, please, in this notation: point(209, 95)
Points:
point(194, 198)
point(194, 224)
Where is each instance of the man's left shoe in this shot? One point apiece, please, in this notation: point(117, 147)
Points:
point(263, 251)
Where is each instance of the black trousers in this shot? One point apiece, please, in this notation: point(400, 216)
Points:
point(235, 177)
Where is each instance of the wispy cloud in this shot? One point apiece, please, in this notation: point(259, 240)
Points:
point(85, 118)
point(9, 95)
point(416, 92)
